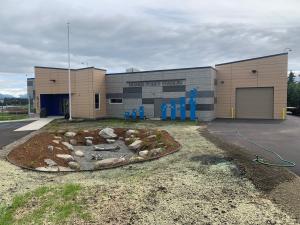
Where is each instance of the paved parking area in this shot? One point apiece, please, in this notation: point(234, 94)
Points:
point(282, 137)
point(7, 133)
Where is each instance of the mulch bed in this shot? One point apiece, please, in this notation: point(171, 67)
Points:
point(32, 153)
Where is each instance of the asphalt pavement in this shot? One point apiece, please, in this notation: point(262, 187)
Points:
point(7, 133)
point(283, 137)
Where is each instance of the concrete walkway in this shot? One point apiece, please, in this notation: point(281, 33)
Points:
point(36, 125)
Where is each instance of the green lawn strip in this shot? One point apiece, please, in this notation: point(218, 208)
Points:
point(7, 116)
point(54, 204)
point(62, 124)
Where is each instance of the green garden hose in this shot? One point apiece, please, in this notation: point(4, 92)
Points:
point(258, 159)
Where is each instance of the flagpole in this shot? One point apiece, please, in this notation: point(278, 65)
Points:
point(69, 72)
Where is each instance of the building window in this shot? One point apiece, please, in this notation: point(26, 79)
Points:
point(115, 101)
point(97, 101)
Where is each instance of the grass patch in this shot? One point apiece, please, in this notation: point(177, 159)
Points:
point(84, 124)
point(8, 116)
point(53, 205)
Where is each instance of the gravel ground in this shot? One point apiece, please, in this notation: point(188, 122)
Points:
point(177, 189)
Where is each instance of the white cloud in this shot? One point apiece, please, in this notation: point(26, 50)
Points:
point(148, 34)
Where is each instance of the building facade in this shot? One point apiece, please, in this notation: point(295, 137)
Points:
point(252, 88)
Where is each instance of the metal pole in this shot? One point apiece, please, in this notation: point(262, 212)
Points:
point(28, 96)
point(69, 71)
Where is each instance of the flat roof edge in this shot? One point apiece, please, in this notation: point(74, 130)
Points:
point(243, 60)
point(163, 70)
point(58, 68)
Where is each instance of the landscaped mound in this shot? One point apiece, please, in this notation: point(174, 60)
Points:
point(92, 149)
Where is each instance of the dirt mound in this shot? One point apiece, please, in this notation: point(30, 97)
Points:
point(45, 146)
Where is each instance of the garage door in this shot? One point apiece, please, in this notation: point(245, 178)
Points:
point(254, 103)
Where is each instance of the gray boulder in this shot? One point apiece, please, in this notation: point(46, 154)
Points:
point(64, 169)
point(102, 147)
point(88, 138)
point(132, 132)
point(70, 134)
point(79, 153)
point(50, 162)
point(143, 153)
point(73, 142)
point(136, 159)
point(68, 145)
point(107, 133)
point(65, 157)
point(47, 169)
point(108, 162)
point(156, 151)
point(74, 165)
point(89, 142)
point(50, 148)
point(153, 136)
point(136, 145)
point(55, 141)
point(110, 141)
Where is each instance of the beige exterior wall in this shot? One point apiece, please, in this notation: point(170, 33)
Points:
point(271, 72)
point(85, 83)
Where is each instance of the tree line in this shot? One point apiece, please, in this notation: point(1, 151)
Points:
point(14, 101)
point(293, 92)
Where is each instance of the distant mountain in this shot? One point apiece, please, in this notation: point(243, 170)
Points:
point(2, 96)
point(23, 96)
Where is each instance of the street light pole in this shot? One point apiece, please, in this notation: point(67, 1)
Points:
point(28, 97)
point(69, 71)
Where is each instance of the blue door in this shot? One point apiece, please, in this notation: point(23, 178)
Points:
point(55, 104)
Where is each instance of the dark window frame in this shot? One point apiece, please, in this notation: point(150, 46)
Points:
point(97, 101)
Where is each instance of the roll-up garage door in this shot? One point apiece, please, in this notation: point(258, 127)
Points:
point(255, 103)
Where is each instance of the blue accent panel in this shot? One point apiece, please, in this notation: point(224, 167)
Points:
point(141, 111)
point(133, 114)
point(193, 95)
point(182, 109)
point(163, 108)
point(127, 115)
point(173, 109)
point(54, 104)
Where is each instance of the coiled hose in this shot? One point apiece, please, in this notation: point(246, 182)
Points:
point(259, 159)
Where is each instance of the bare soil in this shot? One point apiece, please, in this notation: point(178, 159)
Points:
point(32, 153)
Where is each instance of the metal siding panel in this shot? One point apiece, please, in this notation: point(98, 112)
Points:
point(148, 101)
point(132, 95)
point(114, 95)
point(202, 107)
point(178, 88)
point(132, 90)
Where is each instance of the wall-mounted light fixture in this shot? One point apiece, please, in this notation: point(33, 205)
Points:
point(222, 82)
point(53, 81)
point(254, 71)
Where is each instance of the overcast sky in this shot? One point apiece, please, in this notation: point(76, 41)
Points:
point(146, 34)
